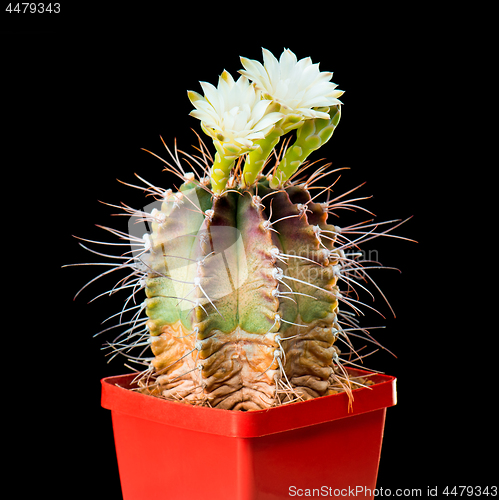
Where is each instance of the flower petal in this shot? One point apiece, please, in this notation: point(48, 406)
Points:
point(298, 86)
point(233, 113)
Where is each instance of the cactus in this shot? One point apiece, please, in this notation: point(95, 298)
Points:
point(241, 269)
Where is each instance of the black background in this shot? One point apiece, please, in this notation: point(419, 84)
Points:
point(85, 93)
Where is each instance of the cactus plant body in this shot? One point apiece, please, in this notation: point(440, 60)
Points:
point(262, 290)
point(242, 269)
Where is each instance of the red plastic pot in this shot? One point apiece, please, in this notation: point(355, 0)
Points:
point(170, 450)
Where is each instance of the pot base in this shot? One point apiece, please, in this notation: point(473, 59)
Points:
point(312, 448)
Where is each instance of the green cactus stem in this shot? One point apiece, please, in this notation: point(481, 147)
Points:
point(255, 160)
point(220, 171)
point(311, 136)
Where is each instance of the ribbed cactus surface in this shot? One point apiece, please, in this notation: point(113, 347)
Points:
point(260, 296)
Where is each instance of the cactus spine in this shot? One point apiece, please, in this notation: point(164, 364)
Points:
point(242, 270)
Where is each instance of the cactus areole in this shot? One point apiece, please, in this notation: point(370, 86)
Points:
point(244, 277)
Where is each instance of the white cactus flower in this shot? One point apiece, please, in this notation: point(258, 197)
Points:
point(234, 114)
point(298, 86)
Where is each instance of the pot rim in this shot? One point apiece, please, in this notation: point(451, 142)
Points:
point(117, 396)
